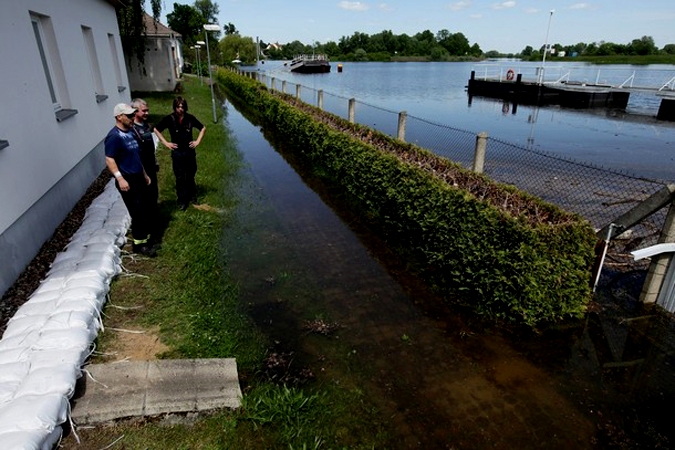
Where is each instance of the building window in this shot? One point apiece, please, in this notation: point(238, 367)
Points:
point(96, 77)
point(116, 63)
point(51, 63)
point(46, 62)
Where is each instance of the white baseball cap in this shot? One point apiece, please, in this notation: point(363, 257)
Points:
point(123, 108)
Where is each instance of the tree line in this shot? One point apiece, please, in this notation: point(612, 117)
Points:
point(444, 45)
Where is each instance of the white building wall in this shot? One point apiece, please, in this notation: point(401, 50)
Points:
point(163, 65)
point(48, 164)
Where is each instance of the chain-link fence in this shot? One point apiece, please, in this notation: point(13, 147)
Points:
point(630, 351)
point(600, 195)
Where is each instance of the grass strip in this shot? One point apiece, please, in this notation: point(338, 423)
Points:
point(187, 297)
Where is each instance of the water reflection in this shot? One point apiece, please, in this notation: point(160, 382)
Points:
point(440, 377)
point(631, 140)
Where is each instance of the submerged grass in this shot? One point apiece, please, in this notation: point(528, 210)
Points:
point(189, 296)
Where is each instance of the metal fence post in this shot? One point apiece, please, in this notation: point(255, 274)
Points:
point(479, 155)
point(352, 106)
point(283, 86)
point(272, 82)
point(659, 265)
point(402, 119)
point(319, 100)
point(297, 91)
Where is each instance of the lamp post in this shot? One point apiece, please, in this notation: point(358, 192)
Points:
point(200, 44)
point(543, 60)
point(211, 27)
point(199, 72)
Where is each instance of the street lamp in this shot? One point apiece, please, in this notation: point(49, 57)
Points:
point(200, 44)
point(211, 27)
point(543, 61)
point(199, 72)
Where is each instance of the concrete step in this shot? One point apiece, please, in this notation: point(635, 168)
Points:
point(129, 389)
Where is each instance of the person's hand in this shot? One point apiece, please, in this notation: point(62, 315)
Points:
point(172, 146)
point(124, 185)
point(148, 181)
point(194, 144)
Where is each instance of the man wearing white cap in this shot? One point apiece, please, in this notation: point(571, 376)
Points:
point(123, 158)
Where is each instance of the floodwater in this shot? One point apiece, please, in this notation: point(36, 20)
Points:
point(439, 376)
point(632, 140)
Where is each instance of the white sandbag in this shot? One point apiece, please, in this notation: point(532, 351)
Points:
point(14, 371)
point(90, 292)
point(75, 338)
point(30, 439)
point(22, 325)
point(35, 309)
point(23, 341)
point(69, 319)
point(42, 359)
point(48, 285)
point(7, 391)
point(93, 305)
point(50, 380)
point(16, 354)
point(33, 412)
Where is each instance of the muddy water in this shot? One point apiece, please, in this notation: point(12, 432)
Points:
point(439, 376)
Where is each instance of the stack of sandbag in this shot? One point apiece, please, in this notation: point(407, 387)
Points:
point(49, 338)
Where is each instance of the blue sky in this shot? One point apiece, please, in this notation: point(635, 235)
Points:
point(506, 26)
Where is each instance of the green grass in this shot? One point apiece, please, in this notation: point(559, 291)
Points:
point(188, 294)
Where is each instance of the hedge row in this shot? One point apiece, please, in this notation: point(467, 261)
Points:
point(502, 264)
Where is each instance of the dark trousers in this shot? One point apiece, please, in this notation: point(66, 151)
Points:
point(184, 168)
point(153, 190)
point(135, 200)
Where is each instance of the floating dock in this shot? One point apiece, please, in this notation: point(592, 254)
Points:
point(568, 94)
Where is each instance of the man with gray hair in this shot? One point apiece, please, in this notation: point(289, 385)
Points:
point(144, 132)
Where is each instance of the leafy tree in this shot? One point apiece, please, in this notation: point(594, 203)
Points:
point(643, 46)
point(230, 29)
point(360, 55)
point(235, 46)
point(208, 9)
point(669, 49)
point(455, 43)
point(527, 51)
point(331, 49)
point(187, 21)
point(132, 30)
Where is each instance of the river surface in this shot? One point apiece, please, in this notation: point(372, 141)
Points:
point(437, 376)
point(632, 141)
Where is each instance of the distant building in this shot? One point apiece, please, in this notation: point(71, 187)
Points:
point(163, 65)
point(62, 73)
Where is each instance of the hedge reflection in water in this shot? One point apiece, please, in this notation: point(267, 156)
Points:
point(442, 376)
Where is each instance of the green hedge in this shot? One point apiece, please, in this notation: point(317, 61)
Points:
point(516, 267)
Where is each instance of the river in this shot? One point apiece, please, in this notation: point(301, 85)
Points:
point(631, 141)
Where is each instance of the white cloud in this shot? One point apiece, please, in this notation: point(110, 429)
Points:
point(459, 5)
point(476, 16)
point(353, 6)
point(384, 7)
point(580, 6)
point(531, 11)
point(504, 5)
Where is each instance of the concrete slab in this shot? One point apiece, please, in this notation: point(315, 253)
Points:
point(147, 388)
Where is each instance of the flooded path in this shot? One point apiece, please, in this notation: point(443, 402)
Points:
point(439, 377)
